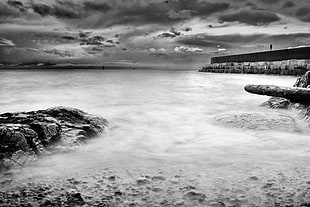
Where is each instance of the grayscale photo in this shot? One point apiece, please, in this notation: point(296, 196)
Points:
point(155, 103)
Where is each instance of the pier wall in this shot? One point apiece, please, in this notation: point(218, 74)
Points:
point(284, 67)
point(294, 61)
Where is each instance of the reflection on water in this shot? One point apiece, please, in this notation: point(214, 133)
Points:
point(160, 119)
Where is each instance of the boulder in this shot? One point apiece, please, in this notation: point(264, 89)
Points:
point(295, 94)
point(41, 131)
point(296, 98)
point(303, 81)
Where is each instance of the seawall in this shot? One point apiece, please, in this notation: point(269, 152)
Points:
point(256, 68)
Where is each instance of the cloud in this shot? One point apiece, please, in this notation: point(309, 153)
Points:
point(250, 17)
point(61, 53)
point(185, 49)
point(269, 1)
point(6, 43)
point(59, 11)
point(17, 4)
point(237, 42)
point(288, 4)
point(97, 6)
point(94, 40)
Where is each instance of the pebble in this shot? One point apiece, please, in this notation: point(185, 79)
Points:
point(142, 181)
point(194, 195)
point(156, 189)
point(179, 203)
point(254, 178)
point(158, 178)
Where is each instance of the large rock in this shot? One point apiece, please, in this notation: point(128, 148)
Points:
point(259, 121)
point(40, 131)
point(295, 94)
point(303, 81)
point(296, 98)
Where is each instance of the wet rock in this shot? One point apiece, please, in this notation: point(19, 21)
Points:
point(254, 178)
point(194, 195)
point(296, 98)
point(46, 202)
point(156, 189)
point(303, 81)
point(75, 199)
point(112, 178)
point(158, 178)
point(142, 181)
point(295, 94)
point(36, 131)
point(118, 193)
point(179, 203)
point(260, 121)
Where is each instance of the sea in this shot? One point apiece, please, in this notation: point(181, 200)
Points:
point(204, 126)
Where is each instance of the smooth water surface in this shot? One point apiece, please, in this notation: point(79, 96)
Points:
point(160, 120)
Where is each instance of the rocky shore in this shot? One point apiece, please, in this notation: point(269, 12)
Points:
point(294, 98)
point(26, 135)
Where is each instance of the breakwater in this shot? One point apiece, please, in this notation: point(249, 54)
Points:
point(288, 67)
point(295, 61)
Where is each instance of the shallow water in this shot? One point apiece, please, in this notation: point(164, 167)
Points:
point(165, 121)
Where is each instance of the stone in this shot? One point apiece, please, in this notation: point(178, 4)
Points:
point(194, 195)
point(39, 131)
point(75, 199)
point(303, 81)
point(142, 181)
point(296, 98)
point(258, 121)
point(294, 94)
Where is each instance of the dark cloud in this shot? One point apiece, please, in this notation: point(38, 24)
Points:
point(171, 34)
point(97, 6)
point(8, 12)
point(250, 17)
point(63, 54)
point(303, 12)
point(288, 4)
point(94, 40)
point(236, 42)
point(17, 4)
point(269, 1)
point(138, 13)
point(59, 11)
point(69, 38)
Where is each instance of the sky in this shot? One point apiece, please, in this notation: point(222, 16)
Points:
point(154, 33)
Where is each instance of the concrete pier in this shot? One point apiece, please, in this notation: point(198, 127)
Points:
point(280, 62)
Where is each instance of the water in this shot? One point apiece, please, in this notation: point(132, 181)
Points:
point(164, 121)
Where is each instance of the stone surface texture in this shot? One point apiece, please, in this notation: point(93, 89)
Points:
point(37, 132)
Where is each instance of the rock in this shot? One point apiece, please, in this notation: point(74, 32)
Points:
point(36, 131)
point(75, 199)
point(296, 98)
point(303, 81)
point(260, 121)
point(295, 94)
point(142, 181)
point(158, 178)
point(194, 195)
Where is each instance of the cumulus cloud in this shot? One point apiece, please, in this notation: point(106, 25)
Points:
point(6, 43)
point(251, 17)
point(185, 49)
